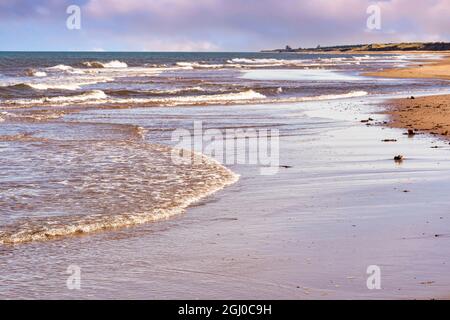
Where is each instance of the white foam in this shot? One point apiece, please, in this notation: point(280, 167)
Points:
point(244, 96)
point(61, 67)
point(197, 65)
point(266, 62)
point(260, 61)
point(92, 95)
point(66, 69)
point(352, 94)
point(189, 65)
point(96, 97)
point(61, 100)
point(299, 74)
point(179, 90)
point(76, 84)
point(46, 86)
point(194, 181)
point(115, 64)
point(304, 63)
point(39, 74)
point(127, 72)
point(249, 96)
point(76, 71)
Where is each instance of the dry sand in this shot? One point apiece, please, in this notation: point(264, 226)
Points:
point(439, 69)
point(430, 114)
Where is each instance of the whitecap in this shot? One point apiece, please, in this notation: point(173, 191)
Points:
point(61, 100)
point(61, 67)
point(115, 64)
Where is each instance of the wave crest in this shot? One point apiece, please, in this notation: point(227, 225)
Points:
point(61, 67)
point(110, 64)
point(141, 193)
point(61, 100)
point(35, 73)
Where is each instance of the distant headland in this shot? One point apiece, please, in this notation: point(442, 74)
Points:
point(376, 47)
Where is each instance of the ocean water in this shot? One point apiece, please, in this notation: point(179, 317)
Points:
point(71, 163)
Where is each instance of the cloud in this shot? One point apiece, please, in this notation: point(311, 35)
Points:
point(270, 22)
point(237, 24)
point(37, 9)
point(179, 45)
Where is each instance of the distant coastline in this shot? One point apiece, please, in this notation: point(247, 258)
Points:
point(409, 47)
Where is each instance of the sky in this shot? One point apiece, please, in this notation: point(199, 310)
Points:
point(216, 25)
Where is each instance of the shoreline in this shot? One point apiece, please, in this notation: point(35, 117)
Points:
point(437, 69)
point(308, 232)
point(423, 114)
point(312, 239)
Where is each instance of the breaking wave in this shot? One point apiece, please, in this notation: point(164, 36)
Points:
point(35, 73)
point(146, 186)
point(110, 64)
point(197, 65)
point(97, 97)
point(100, 97)
point(128, 92)
point(74, 84)
point(61, 67)
point(246, 96)
point(84, 97)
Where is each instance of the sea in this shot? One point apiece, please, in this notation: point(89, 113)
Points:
point(70, 165)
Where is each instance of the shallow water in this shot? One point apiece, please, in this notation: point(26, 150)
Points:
point(308, 232)
point(72, 167)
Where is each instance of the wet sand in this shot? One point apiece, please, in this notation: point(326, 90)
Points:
point(337, 206)
point(429, 114)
